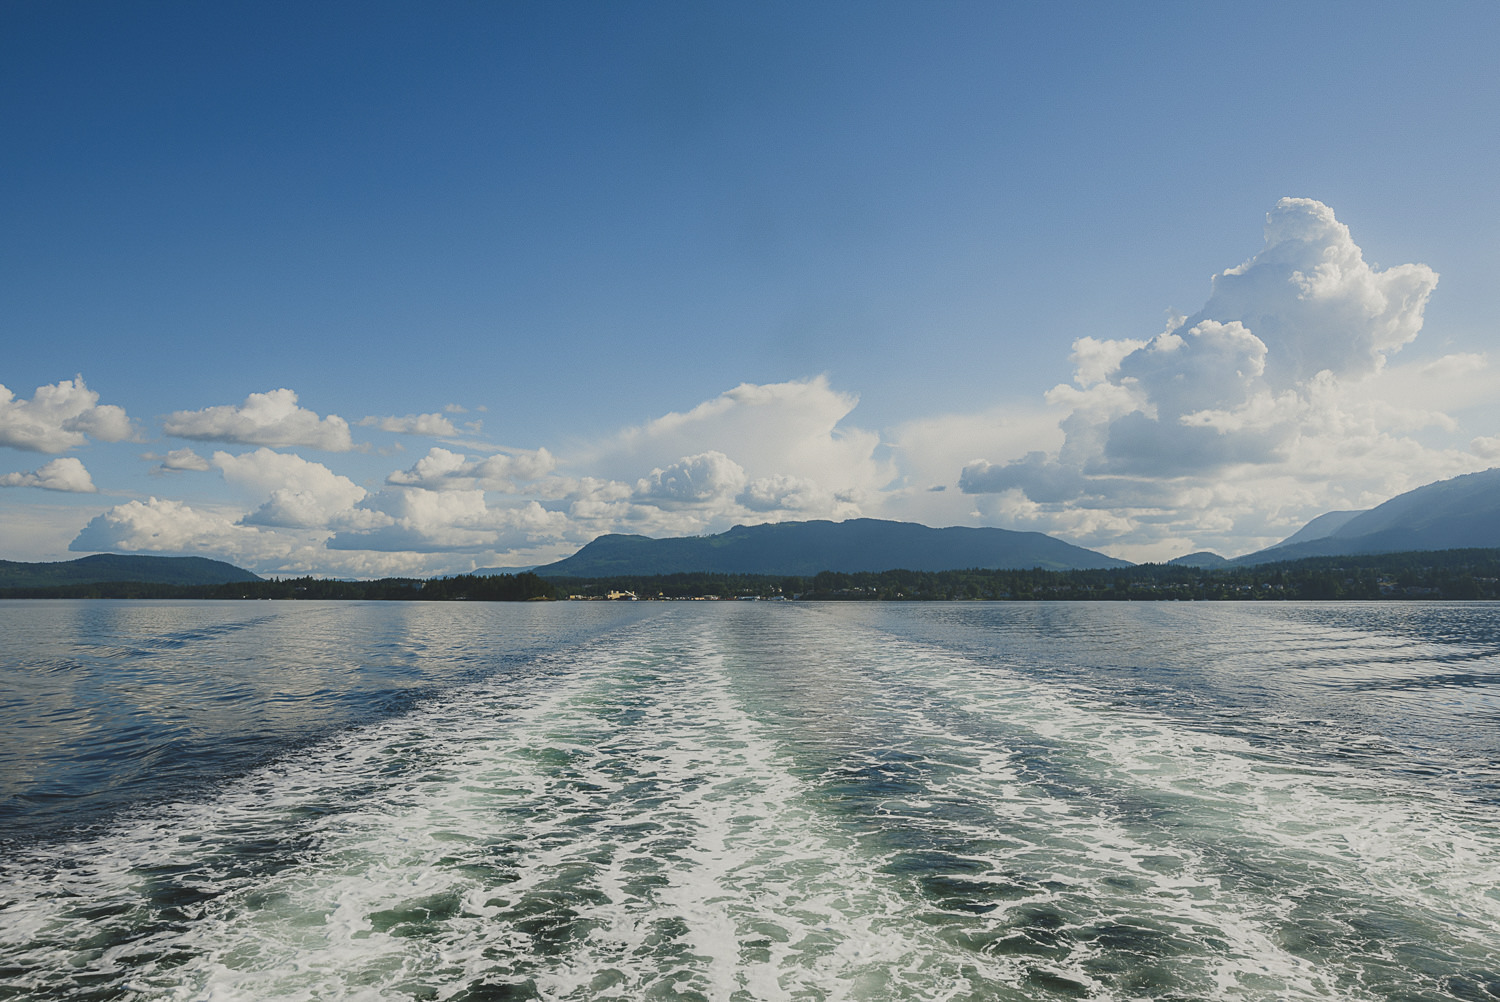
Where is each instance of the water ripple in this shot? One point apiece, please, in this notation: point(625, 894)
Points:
point(775, 802)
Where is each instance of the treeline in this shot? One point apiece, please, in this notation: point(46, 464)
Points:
point(1451, 574)
point(521, 587)
point(1465, 574)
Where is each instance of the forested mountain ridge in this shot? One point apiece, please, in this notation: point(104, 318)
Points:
point(806, 548)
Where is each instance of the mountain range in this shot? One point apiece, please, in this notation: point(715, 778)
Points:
point(1459, 513)
point(805, 548)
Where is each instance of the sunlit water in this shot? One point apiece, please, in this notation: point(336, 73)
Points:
point(743, 801)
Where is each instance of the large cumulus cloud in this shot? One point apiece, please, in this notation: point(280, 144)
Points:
point(754, 453)
point(159, 525)
point(1211, 429)
point(299, 494)
point(795, 428)
point(701, 479)
point(1315, 302)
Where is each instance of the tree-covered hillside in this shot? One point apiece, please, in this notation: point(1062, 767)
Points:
point(121, 567)
point(805, 548)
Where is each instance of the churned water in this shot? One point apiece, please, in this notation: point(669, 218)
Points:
point(744, 801)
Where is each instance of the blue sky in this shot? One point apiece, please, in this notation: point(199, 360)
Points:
point(663, 268)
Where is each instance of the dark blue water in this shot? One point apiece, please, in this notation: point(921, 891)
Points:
point(744, 801)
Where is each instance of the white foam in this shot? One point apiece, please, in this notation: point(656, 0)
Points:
point(1381, 845)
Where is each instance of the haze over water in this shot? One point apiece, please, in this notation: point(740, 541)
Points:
point(742, 801)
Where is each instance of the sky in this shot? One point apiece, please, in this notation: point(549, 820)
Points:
point(366, 289)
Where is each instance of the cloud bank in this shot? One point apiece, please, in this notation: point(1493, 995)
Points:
point(446, 522)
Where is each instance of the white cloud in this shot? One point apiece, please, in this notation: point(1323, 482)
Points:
point(751, 454)
point(431, 470)
point(795, 428)
point(1486, 447)
point(171, 527)
point(1315, 302)
point(591, 514)
point(793, 456)
point(445, 521)
point(60, 417)
point(1095, 360)
point(764, 453)
point(179, 460)
point(707, 477)
point(1447, 383)
point(785, 452)
point(302, 494)
point(1214, 433)
point(272, 419)
point(163, 526)
point(434, 425)
point(443, 470)
point(932, 450)
point(64, 474)
point(784, 493)
point(1237, 422)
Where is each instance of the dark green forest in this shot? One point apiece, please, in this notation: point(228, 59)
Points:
point(1448, 574)
point(491, 588)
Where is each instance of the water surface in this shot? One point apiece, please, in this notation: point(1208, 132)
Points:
point(756, 801)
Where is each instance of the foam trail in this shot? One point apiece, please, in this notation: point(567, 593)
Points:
point(1238, 872)
point(625, 835)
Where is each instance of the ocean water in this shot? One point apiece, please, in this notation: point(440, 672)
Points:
point(745, 801)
